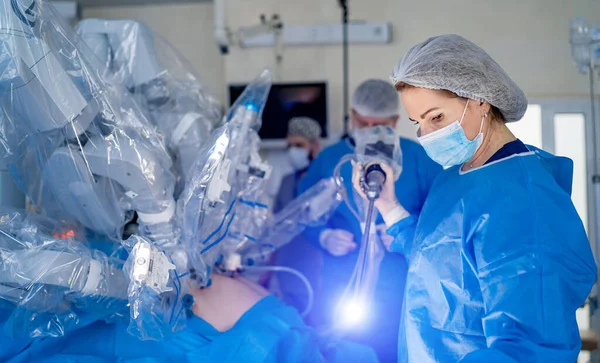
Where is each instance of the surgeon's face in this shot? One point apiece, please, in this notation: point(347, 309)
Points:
point(299, 141)
point(359, 121)
point(313, 147)
point(434, 109)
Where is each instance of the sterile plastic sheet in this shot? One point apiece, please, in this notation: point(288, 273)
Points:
point(158, 293)
point(206, 208)
point(76, 144)
point(162, 82)
point(377, 144)
point(51, 282)
point(312, 208)
point(253, 205)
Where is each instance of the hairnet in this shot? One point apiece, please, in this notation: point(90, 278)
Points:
point(376, 98)
point(450, 62)
point(304, 127)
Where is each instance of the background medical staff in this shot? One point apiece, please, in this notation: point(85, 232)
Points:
point(374, 102)
point(303, 146)
point(499, 260)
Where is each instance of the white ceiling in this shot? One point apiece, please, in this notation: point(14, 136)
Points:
point(91, 3)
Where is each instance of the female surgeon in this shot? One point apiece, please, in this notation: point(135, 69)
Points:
point(498, 259)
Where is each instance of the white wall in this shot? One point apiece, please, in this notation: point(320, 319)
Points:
point(188, 27)
point(528, 38)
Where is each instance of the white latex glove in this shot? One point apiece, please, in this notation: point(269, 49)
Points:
point(386, 239)
point(337, 242)
point(387, 204)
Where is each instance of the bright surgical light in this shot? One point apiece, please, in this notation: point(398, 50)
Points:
point(353, 312)
point(251, 106)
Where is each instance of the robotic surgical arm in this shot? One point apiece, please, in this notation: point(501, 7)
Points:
point(160, 80)
point(210, 202)
point(79, 146)
point(116, 43)
point(47, 275)
point(312, 208)
point(85, 141)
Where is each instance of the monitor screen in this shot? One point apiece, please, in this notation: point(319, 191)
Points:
point(286, 101)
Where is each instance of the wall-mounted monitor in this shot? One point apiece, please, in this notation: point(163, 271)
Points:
point(288, 100)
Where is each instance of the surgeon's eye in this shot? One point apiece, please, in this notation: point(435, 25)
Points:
point(414, 122)
point(438, 118)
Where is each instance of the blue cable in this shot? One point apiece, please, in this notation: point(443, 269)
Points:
point(175, 284)
point(254, 204)
point(213, 233)
point(220, 238)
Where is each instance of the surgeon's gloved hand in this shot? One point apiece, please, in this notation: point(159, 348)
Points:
point(387, 204)
point(337, 242)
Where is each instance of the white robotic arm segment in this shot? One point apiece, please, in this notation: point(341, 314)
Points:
point(100, 45)
point(92, 186)
point(208, 202)
point(33, 72)
point(71, 271)
point(41, 274)
point(151, 267)
point(46, 80)
point(160, 217)
point(162, 81)
point(184, 124)
point(126, 37)
point(135, 168)
point(312, 208)
point(93, 150)
point(96, 172)
point(79, 194)
point(45, 83)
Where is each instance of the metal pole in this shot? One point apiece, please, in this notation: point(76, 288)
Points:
point(593, 118)
point(595, 180)
point(366, 239)
point(344, 6)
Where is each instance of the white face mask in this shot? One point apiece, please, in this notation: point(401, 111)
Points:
point(298, 158)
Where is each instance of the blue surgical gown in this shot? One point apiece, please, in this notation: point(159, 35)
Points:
point(287, 191)
point(381, 330)
point(269, 332)
point(499, 262)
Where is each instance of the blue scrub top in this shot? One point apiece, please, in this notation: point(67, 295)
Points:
point(499, 263)
point(288, 190)
point(412, 188)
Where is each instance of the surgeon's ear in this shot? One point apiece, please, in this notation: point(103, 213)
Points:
point(485, 107)
point(395, 120)
point(316, 148)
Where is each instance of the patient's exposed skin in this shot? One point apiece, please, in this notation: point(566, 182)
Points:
point(226, 300)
